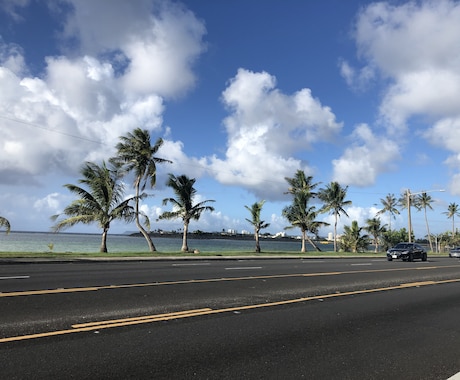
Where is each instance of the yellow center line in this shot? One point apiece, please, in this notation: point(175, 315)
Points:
point(199, 281)
point(98, 325)
point(156, 316)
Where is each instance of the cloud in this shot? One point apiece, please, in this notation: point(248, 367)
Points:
point(50, 203)
point(357, 79)
point(266, 129)
point(116, 80)
point(10, 7)
point(157, 41)
point(369, 156)
point(181, 163)
point(415, 47)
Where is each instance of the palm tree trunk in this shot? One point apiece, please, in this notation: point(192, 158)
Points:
point(313, 244)
point(104, 240)
point(184, 238)
point(428, 231)
point(138, 223)
point(335, 233)
point(303, 250)
point(256, 237)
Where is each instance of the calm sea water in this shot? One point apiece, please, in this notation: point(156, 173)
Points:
point(83, 243)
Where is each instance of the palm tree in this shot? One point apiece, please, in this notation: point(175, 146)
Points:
point(389, 205)
point(301, 183)
point(333, 197)
point(102, 203)
point(136, 153)
point(303, 217)
point(452, 211)
point(423, 201)
point(5, 223)
point(352, 239)
point(258, 224)
point(376, 230)
point(183, 206)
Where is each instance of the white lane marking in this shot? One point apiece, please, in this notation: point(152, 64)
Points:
point(190, 264)
point(14, 278)
point(242, 268)
point(361, 264)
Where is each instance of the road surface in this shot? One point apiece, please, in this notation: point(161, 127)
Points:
point(228, 319)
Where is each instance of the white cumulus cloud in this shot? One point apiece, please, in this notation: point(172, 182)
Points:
point(369, 156)
point(115, 79)
point(266, 129)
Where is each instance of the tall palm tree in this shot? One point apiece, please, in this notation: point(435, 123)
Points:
point(102, 203)
point(389, 205)
point(423, 201)
point(183, 206)
point(452, 211)
point(303, 217)
point(376, 230)
point(301, 183)
point(5, 223)
point(333, 196)
point(138, 155)
point(256, 222)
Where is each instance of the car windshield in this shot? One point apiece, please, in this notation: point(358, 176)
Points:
point(403, 246)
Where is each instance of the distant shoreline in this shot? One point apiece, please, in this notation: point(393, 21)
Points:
point(210, 235)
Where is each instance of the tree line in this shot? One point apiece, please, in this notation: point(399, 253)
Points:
point(101, 199)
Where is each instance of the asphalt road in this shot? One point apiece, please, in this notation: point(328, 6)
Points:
point(231, 319)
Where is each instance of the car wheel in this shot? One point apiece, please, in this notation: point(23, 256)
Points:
point(424, 256)
point(389, 259)
point(411, 257)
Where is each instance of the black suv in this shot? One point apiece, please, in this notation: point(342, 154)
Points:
point(407, 252)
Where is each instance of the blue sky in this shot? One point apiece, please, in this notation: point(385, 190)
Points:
point(244, 93)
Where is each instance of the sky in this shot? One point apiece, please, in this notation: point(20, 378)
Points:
point(244, 93)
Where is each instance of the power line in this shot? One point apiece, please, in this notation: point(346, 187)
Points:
point(50, 130)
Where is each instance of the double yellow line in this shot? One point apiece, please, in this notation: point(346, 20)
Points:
point(99, 325)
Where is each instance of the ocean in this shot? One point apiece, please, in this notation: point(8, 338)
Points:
point(87, 243)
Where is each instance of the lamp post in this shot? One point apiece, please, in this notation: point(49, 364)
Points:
point(408, 195)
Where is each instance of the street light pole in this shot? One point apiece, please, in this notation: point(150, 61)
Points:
point(409, 219)
point(408, 199)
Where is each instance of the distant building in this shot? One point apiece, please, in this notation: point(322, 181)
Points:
point(244, 232)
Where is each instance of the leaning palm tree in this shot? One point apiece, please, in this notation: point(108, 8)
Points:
point(136, 153)
point(258, 224)
point(5, 223)
point(376, 230)
point(389, 205)
point(102, 203)
point(452, 211)
point(183, 206)
point(303, 217)
point(333, 197)
point(423, 201)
